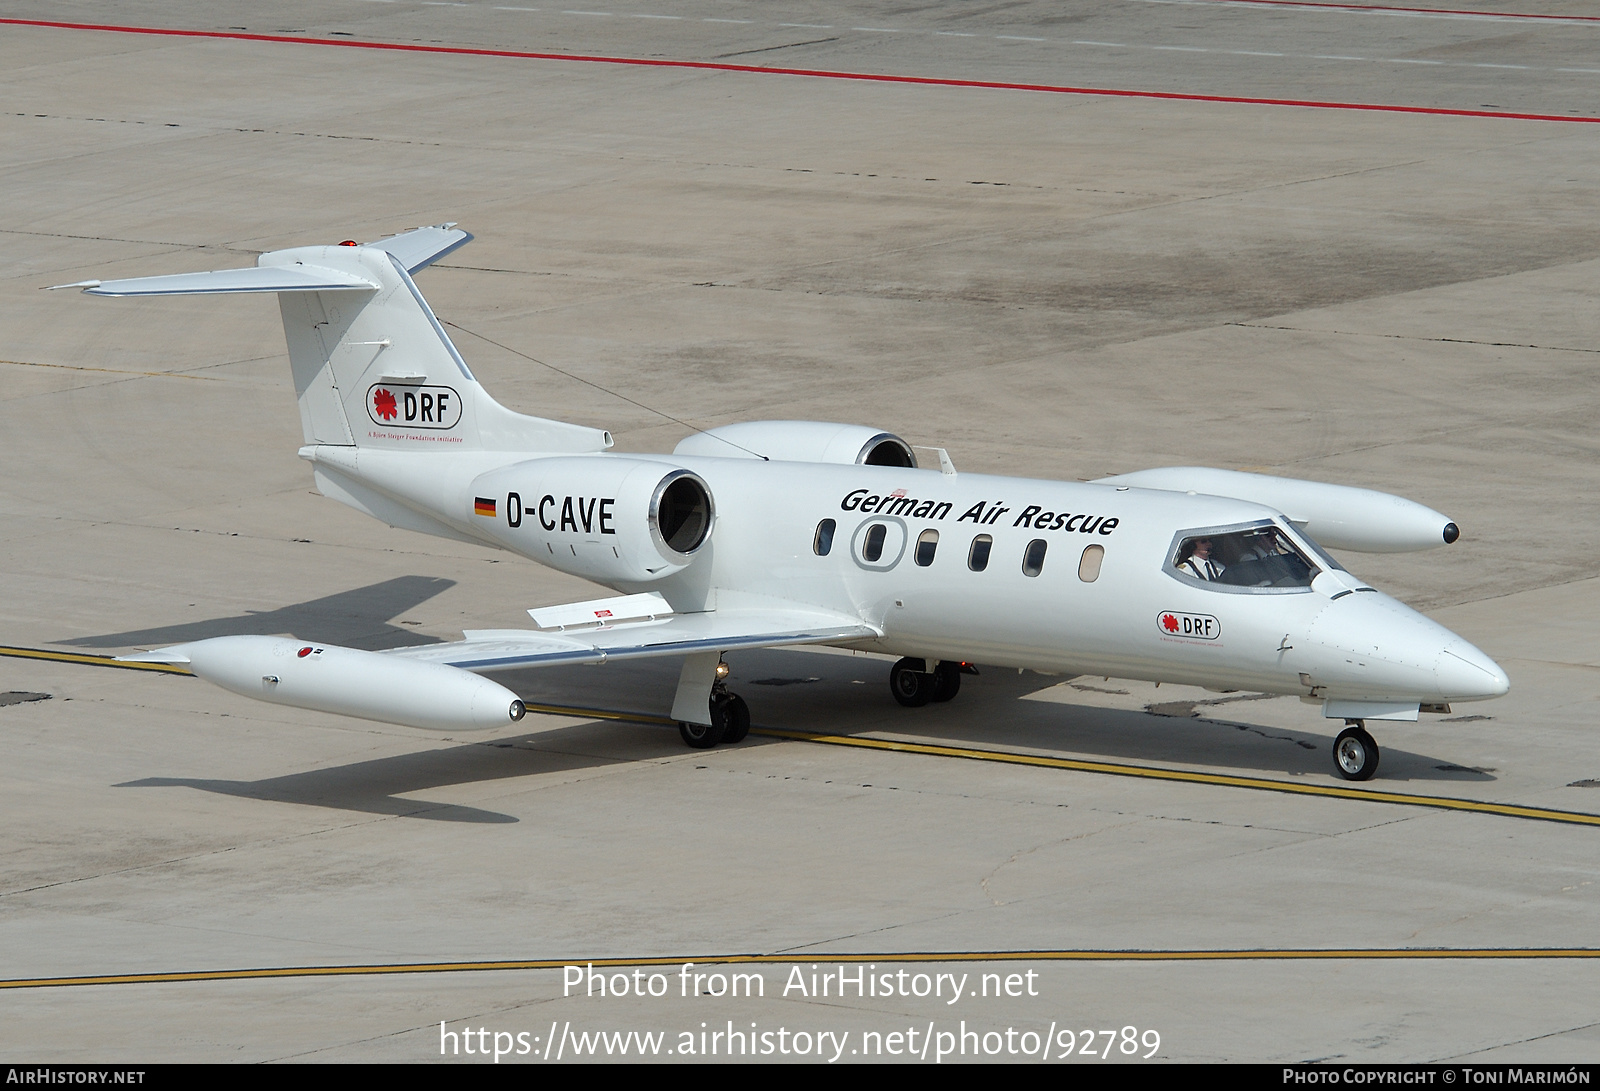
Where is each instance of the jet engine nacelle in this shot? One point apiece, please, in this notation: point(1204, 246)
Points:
point(603, 517)
point(1339, 516)
point(801, 441)
point(327, 678)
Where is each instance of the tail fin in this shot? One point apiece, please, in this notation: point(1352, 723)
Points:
point(372, 365)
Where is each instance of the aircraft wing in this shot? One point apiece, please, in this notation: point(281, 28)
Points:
point(677, 634)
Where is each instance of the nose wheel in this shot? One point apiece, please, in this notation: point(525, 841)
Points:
point(1355, 753)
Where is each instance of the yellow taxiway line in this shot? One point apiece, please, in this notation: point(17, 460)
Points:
point(1150, 772)
point(90, 660)
point(891, 957)
point(1004, 757)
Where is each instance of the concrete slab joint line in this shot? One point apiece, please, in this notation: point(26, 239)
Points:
point(868, 77)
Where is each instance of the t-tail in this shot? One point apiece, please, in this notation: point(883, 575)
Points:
point(379, 380)
point(372, 365)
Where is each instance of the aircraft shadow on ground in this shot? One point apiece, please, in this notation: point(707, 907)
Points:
point(848, 694)
point(817, 693)
point(804, 691)
point(378, 786)
point(1207, 743)
point(358, 618)
point(1214, 733)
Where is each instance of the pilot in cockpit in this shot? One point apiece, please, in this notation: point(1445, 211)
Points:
point(1194, 559)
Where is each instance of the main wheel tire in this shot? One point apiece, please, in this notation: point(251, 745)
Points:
point(738, 719)
point(705, 736)
point(946, 681)
point(1355, 754)
point(911, 685)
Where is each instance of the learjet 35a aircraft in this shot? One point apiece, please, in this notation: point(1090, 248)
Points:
point(777, 533)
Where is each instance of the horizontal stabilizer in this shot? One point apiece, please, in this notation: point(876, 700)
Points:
point(421, 248)
point(264, 278)
point(681, 634)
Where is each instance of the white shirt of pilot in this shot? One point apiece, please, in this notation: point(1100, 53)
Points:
point(1201, 568)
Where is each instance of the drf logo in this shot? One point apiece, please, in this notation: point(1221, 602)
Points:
point(414, 406)
point(1190, 626)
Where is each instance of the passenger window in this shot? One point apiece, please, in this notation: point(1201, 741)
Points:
point(1089, 563)
point(978, 556)
point(823, 542)
point(1033, 557)
point(927, 543)
point(872, 548)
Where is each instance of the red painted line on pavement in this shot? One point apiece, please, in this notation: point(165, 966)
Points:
point(1413, 11)
point(870, 77)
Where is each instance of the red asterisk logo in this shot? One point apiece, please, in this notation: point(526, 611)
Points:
point(1169, 623)
point(383, 404)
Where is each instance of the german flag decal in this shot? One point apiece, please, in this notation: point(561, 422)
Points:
point(483, 506)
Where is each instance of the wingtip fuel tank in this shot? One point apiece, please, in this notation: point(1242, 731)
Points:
point(1338, 516)
point(347, 681)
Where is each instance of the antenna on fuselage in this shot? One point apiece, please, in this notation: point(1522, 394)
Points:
point(602, 389)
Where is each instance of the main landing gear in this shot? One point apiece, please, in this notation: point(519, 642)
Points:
point(914, 686)
point(730, 721)
point(1355, 754)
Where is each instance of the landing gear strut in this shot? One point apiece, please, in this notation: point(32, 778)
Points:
point(914, 687)
point(1355, 753)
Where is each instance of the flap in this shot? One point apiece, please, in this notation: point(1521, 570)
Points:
point(613, 611)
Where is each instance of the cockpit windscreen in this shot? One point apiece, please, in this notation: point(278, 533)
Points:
point(1254, 557)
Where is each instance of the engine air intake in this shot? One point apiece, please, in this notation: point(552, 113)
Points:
point(681, 512)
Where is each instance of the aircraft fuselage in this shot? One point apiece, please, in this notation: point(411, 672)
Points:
point(958, 572)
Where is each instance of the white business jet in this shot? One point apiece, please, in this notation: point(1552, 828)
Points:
point(778, 533)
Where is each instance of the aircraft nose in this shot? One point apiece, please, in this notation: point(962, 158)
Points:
point(1371, 646)
point(1465, 674)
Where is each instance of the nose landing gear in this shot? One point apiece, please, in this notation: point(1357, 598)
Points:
point(1355, 753)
